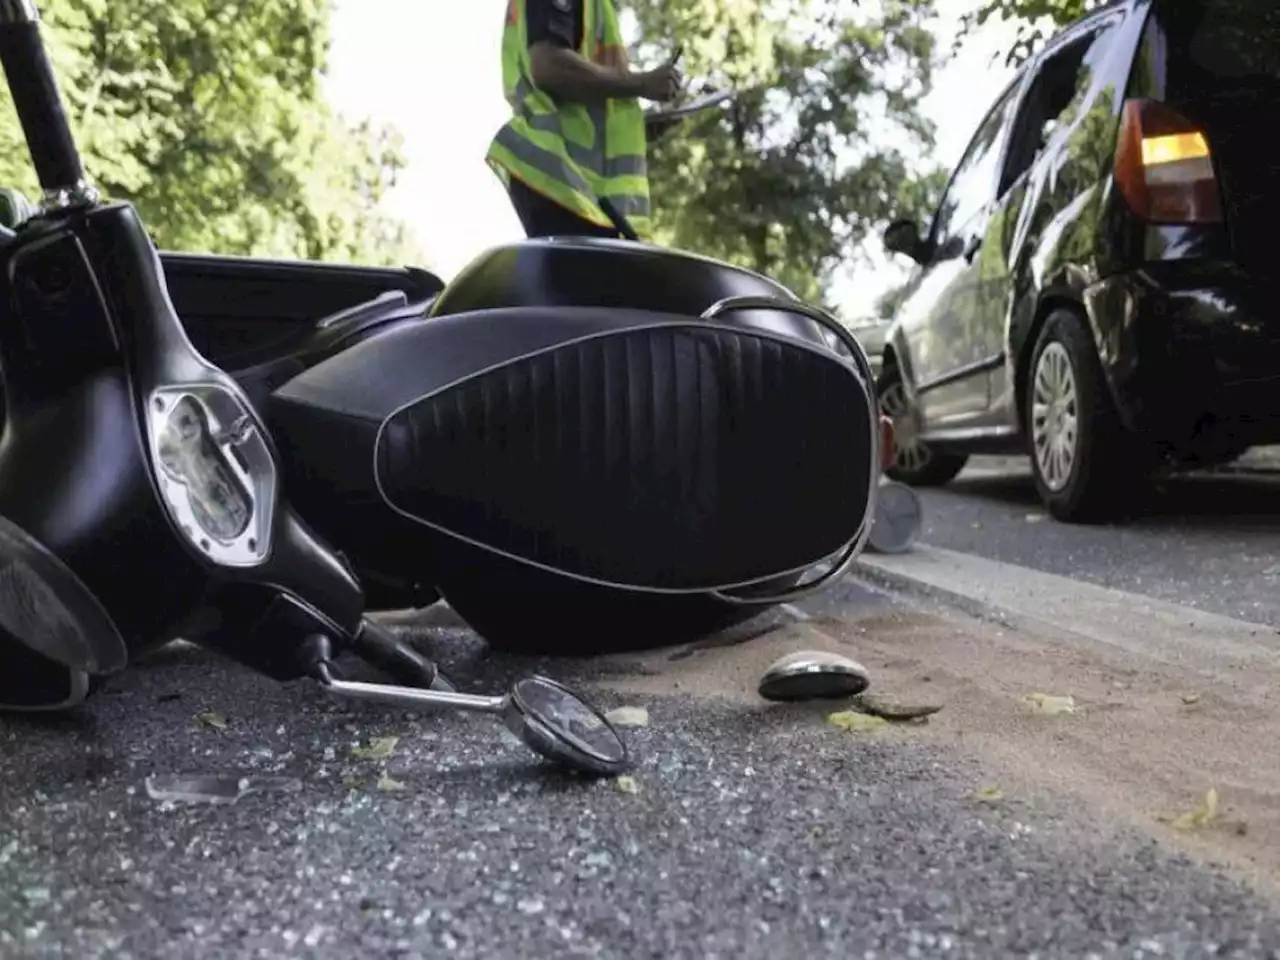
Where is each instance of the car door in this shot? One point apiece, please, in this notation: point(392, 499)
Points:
point(1050, 186)
point(943, 327)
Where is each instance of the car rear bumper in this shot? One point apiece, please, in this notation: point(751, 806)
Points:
point(1193, 358)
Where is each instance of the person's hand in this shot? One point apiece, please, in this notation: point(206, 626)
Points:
point(663, 84)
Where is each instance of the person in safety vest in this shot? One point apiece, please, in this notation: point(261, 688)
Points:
point(577, 132)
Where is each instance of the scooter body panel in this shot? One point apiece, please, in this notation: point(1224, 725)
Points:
point(586, 463)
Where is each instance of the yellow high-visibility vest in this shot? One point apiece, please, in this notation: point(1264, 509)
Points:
point(573, 153)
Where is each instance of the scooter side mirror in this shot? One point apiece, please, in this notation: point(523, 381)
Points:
point(903, 236)
point(548, 717)
point(555, 722)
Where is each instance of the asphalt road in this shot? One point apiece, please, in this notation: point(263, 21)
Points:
point(1210, 541)
point(753, 831)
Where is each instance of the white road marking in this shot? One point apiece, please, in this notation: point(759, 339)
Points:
point(1168, 632)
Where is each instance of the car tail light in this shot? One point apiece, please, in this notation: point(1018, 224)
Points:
point(1164, 166)
point(886, 443)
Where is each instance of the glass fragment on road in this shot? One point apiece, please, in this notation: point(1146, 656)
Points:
point(214, 788)
point(212, 720)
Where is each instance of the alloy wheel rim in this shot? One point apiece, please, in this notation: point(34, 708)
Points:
point(910, 454)
point(1055, 417)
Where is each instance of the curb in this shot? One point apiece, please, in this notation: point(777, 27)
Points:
point(904, 584)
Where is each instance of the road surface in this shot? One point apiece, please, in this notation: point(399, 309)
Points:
point(746, 830)
point(1210, 541)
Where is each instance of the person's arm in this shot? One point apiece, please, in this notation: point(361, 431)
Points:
point(564, 73)
point(553, 30)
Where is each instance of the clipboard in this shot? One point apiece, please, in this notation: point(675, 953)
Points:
point(704, 102)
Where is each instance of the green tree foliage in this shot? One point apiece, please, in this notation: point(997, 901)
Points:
point(209, 115)
point(816, 150)
point(1037, 20)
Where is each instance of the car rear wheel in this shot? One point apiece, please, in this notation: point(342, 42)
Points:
point(914, 463)
point(1083, 470)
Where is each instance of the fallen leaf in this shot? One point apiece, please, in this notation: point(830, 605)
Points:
point(379, 748)
point(1191, 699)
point(890, 709)
point(1050, 704)
point(628, 717)
point(1034, 517)
point(215, 721)
point(989, 795)
point(1201, 816)
point(856, 722)
point(626, 784)
point(389, 784)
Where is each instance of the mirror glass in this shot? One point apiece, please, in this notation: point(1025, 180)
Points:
point(898, 518)
point(902, 236)
point(46, 608)
point(559, 724)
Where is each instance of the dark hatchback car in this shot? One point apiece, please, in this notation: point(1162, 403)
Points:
point(1097, 287)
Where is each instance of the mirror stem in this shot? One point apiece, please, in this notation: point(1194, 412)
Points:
point(408, 696)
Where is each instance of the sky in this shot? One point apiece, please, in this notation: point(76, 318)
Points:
point(395, 61)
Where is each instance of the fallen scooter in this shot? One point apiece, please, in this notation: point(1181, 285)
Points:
point(591, 445)
point(141, 495)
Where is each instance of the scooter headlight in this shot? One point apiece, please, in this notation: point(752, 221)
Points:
point(216, 473)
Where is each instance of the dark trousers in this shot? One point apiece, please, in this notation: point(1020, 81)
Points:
point(543, 217)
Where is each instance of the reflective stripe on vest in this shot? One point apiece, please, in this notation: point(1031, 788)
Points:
point(573, 152)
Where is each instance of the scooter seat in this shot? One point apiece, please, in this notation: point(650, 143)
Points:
point(624, 448)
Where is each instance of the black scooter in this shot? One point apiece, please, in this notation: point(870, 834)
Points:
point(587, 445)
point(141, 493)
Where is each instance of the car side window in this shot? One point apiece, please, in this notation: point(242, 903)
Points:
point(1062, 83)
point(973, 183)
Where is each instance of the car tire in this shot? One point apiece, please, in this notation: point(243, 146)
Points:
point(1081, 455)
point(913, 462)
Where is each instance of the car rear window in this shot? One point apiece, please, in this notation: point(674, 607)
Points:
point(1218, 63)
point(1220, 45)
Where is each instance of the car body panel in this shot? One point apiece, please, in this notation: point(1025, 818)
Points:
point(1163, 302)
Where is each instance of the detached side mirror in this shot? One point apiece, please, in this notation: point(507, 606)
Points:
point(903, 236)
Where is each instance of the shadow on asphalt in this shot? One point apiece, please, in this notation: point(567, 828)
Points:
point(1225, 500)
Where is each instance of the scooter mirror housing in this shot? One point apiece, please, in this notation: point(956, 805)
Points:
point(548, 717)
point(555, 722)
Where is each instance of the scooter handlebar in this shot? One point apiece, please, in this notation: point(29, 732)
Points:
point(36, 98)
